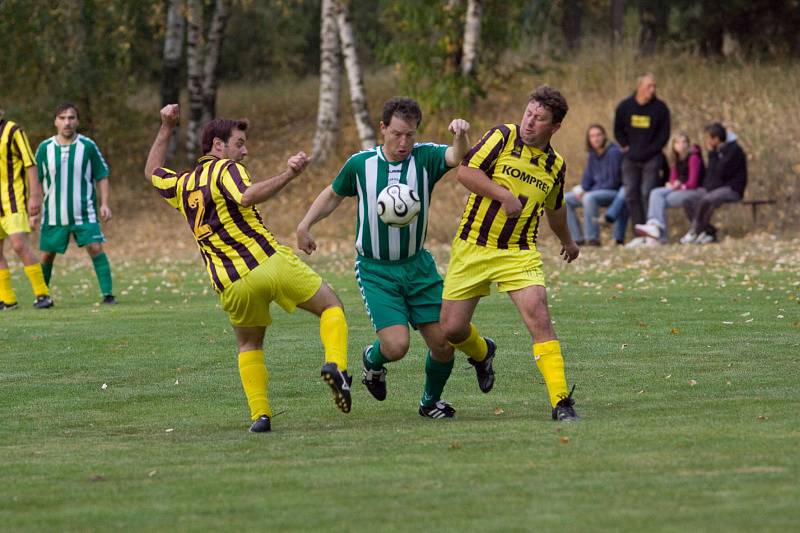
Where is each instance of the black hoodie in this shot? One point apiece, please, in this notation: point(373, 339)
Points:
point(644, 129)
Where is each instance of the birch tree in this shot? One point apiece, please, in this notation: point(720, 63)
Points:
point(194, 72)
point(472, 35)
point(330, 81)
point(213, 46)
point(358, 99)
point(171, 62)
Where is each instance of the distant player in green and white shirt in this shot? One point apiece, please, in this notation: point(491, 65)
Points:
point(396, 274)
point(73, 171)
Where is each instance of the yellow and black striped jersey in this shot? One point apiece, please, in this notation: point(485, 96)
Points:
point(536, 177)
point(15, 156)
point(232, 238)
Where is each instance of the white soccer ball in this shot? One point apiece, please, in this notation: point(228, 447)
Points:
point(398, 205)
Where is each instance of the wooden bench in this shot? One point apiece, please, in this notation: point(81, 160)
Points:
point(754, 205)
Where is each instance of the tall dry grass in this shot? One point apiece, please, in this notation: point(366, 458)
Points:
point(756, 100)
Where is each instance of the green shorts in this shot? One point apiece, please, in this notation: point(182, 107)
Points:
point(55, 239)
point(408, 291)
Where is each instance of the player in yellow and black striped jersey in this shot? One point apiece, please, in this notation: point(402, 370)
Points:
point(515, 176)
point(20, 204)
point(248, 268)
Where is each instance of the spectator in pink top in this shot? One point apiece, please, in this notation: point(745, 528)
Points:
point(686, 173)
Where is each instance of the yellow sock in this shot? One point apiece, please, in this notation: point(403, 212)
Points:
point(333, 332)
point(36, 277)
point(7, 294)
point(255, 381)
point(474, 346)
point(551, 365)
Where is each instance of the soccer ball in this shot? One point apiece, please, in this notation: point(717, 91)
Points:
point(398, 205)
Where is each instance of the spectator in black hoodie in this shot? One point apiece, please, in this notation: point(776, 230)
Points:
point(726, 179)
point(641, 126)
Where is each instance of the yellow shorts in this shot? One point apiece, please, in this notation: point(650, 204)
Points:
point(14, 223)
point(474, 268)
point(283, 279)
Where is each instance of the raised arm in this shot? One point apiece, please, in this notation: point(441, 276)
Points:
point(455, 153)
point(478, 182)
point(557, 219)
point(325, 204)
point(170, 114)
point(264, 190)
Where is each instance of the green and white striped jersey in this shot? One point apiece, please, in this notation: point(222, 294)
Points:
point(68, 174)
point(367, 173)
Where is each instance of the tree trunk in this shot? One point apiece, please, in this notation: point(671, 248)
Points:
point(617, 22)
point(213, 46)
point(571, 24)
point(194, 41)
point(358, 99)
point(171, 63)
point(472, 37)
point(330, 81)
point(653, 18)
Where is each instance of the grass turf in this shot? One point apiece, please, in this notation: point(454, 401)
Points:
point(686, 386)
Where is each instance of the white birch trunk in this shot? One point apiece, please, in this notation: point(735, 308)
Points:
point(194, 72)
point(358, 99)
point(330, 81)
point(472, 37)
point(171, 64)
point(216, 32)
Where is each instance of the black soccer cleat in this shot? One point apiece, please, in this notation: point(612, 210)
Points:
point(439, 410)
point(483, 369)
point(43, 302)
point(109, 299)
point(339, 382)
point(375, 380)
point(4, 306)
point(261, 425)
point(563, 411)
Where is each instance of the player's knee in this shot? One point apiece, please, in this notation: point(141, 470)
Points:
point(19, 246)
point(443, 353)
point(94, 249)
point(395, 349)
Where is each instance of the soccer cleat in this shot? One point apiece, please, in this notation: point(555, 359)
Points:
point(705, 238)
point(440, 409)
point(563, 411)
point(261, 425)
point(375, 380)
point(688, 238)
point(43, 302)
point(339, 382)
point(109, 299)
point(4, 306)
point(483, 369)
point(647, 230)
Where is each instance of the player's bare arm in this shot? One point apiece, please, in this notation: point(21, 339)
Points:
point(264, 190)
point(326, 203)
point(170, 114)
point(557, 219)
point(478, 182)
point(103, 190)
point(455, 153)
point(35, 198)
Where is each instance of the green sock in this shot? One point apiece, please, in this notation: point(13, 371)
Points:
point(436, 375)
point(47, 270)
point(103, 270)
point(375, 359)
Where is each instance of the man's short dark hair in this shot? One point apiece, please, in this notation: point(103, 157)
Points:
point(405, 108)
point(552, 100)
point(64, 106)
point(715, 129)
point(221, 128)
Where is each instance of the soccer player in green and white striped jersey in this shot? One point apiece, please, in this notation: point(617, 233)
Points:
point(73, 172)
point(397, 276)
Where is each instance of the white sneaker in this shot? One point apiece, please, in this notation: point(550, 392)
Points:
point(637, 242)
point(688, 238)
point(705, 238)
point(647, 230)
point(650, 242)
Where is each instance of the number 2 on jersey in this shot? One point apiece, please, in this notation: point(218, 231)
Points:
point(201, 231)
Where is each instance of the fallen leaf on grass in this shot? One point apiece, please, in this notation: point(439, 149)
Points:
point(692, 382)
point(104, 386)
point(727, 323)
point(761, 418)
point(455, 445)
point(152, 473)
point(674, 331)
point(564, 439)
point(622, 348)
point(668, 376)
point(498, 411)
point(97, 477)
point(169, 430)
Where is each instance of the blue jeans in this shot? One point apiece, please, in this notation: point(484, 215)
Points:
point(591, 203)
point(660, 199)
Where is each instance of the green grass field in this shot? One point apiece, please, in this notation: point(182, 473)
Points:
point(686, 369)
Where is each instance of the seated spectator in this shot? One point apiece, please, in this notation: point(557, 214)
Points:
point(686, 173)
point(599, 187)
point(725, 182)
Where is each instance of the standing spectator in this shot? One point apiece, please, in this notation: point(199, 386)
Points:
point(20, 202)
point(599, 186)
point(686, 173)
point(73, 172)
point(641, 126)
point(725, 183)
